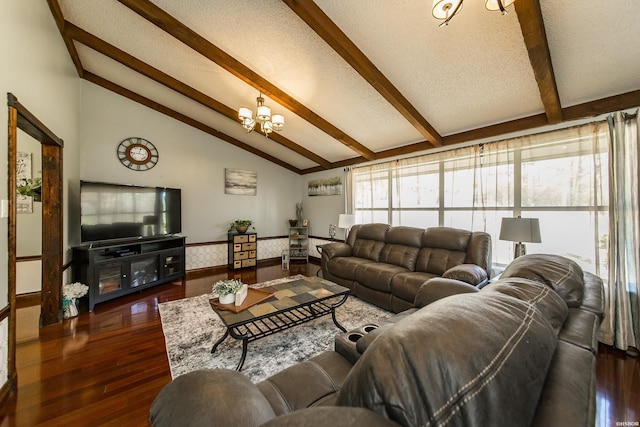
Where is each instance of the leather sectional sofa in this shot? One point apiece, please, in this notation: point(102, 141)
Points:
point(386, 265)
point(519, 352)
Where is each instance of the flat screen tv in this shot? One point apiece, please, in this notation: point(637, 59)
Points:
point(116, 211)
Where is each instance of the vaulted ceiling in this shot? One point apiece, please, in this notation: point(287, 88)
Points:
point(359, 80)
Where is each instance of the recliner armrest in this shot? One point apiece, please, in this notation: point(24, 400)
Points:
point(470, 273)
point(336, 249)
point(212, 397)
point(437, 288)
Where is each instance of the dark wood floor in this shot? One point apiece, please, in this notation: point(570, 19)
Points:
point(106, 367)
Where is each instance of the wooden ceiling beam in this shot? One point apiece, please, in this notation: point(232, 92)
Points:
point(99, 45)
point(183, 118)
point(535, 38)
point(315, 18)
point(177, 29)
point(603, 106)
point(54, 6)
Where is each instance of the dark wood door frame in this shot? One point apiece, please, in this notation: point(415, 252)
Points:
point(52, 222)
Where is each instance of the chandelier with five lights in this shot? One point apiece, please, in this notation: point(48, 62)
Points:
point(447, 9)
point(268, 122)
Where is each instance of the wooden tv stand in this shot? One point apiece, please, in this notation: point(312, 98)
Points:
point(112, 270)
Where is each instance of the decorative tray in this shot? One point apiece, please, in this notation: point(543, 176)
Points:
point(254, 296)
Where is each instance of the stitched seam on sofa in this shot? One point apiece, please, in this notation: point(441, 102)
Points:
point(474, 386)
point(566, 275)
point(279, 392)
point(326, 374)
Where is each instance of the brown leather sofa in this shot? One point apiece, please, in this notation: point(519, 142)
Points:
point(386, 265)
point(518, 352)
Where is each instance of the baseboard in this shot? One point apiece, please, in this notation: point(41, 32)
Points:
point(28, 300)
point(217, 269)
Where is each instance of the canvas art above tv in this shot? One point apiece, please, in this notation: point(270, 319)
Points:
point(116, 211)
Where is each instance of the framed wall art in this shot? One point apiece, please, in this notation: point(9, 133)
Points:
point(240, 182)
point(325, 186)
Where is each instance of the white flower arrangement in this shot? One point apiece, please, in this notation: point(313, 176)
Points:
point(224, 287)
point(74, 290)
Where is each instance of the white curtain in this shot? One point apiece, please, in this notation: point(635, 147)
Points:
point(559, 177)
point(622, 322)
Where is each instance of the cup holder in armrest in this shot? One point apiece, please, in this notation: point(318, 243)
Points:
point(354, 336)
point(369, 328)
point(346, 343)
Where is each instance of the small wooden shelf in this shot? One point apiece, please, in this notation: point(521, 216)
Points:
point(299, 243)
point(243, 250)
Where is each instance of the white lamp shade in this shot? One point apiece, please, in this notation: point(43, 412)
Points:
point(443, 9)
point(520, 230)
point(346, 221)
point(277, 120)
point(493, 4)
point(245, 113)
point(264, 112)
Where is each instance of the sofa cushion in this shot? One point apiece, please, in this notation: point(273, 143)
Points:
point(401, 255)
point(345, 267)
point(569, 397)
point(450, 363)
point(548, 302)
point(402, 246)
point(377, 275)
point(593, 299)
point(313, 382)
point(581, 329)
point(437, 260)
point(562, 274)
point(452, 239)
point(470, 273)
point(367, 249)
point(406, 285)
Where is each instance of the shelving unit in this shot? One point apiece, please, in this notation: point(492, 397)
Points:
point(299, 244)
point(243, 250)
point(112, 270)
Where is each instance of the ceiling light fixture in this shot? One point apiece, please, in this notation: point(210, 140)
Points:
point(447, 9)
point(268, 122)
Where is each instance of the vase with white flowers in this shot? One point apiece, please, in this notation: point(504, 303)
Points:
point(71, 292)
point(226, 290)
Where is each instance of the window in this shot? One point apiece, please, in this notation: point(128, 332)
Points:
point(559, 177)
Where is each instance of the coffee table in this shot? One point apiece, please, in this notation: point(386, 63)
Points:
point(293, 303)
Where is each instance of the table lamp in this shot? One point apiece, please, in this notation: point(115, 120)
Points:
point(346, 221)
point(520, 230)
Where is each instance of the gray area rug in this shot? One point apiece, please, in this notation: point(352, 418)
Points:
point(191, 327)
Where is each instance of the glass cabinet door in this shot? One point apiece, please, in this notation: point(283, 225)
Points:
point(172, 265)
point(144, 271)
point(109, 278)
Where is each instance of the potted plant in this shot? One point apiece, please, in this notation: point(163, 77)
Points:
point(226, 290)
point(241, 225)
point(31, 187)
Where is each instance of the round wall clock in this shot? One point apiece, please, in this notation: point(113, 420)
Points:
point(137, 154)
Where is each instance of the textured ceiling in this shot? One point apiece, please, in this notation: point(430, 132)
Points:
point(357, 82)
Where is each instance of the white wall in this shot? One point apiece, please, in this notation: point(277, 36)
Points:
point(37, 69)
point(188, 159)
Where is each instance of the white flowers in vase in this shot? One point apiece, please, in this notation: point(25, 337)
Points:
point(70, 292)
point(226, 289)
point(74, 290)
